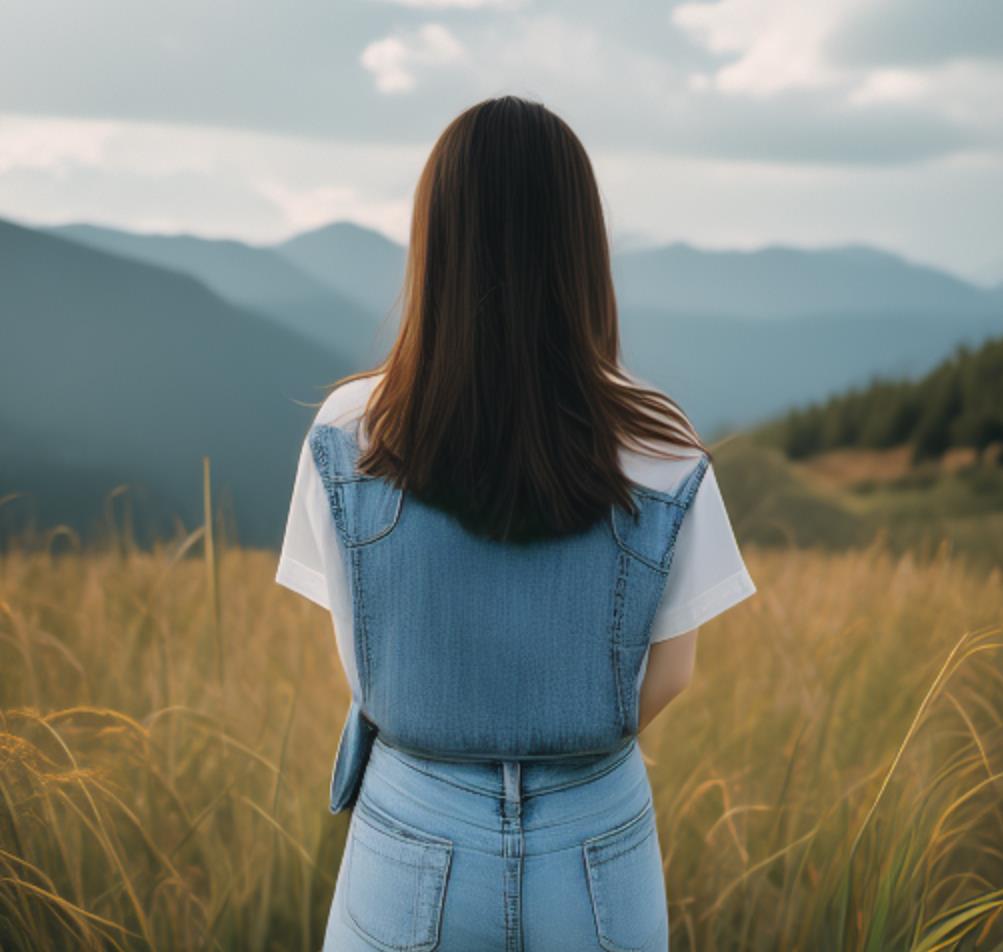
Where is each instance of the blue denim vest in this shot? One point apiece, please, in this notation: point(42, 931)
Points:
point(470, 648)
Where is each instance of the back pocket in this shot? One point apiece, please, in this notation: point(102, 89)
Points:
point(627, 885)
point(395, 882)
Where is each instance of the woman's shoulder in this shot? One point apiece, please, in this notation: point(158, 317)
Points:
point(344, 405)
point(660, 473)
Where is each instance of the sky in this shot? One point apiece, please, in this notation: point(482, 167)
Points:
point(722, 123)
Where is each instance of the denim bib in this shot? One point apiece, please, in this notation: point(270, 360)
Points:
point(469, 648)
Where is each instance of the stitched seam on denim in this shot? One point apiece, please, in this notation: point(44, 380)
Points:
point(639, 490)
point(591, 870)
point(624, 827)
point(536, 793)
point(436, 934)
point(596, 814)
point(672, 550)
point(682, 498)
point(389, 528)
point(619, 597)
point(334, 482)
point(414, 909)
point(593, 899)
point(369, 937)
point(587, 779)
point(419, 864)
point(334, 432)
point(360, 627)
point(357, 928)
point(694, 480)
point(450, 817)
point(320, 449)
point(493, 756)
point(602, 811)
point(602, 860)
point(374, 818)
point(655, 602)
point(630, 551)
point(339, 481)
point(482, 791)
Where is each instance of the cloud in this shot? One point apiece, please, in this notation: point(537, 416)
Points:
point(777, 42)
point(214, 182)
point(307, 208)
point(396, 60)
point(52, 144)
point(917, 33)
point(735, 79)
point(881, 75)
point(262, 187)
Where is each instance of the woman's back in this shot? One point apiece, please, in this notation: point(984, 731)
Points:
point(499, 553)
point(707, 574)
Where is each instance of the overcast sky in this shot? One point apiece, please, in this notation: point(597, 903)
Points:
point(727, 124)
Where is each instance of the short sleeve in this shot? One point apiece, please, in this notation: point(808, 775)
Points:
point(707, 575)
point(302, 559)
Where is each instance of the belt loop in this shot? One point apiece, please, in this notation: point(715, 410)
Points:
point(512, 774)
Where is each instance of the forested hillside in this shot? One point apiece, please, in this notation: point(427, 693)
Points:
point(957, 404)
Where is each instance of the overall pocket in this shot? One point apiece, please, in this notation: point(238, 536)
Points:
point(395, 882)
point(627, 885)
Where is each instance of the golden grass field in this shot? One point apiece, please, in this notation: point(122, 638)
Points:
point(833, 778)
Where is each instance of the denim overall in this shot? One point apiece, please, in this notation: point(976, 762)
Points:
point(484, 667)
point(468, 648)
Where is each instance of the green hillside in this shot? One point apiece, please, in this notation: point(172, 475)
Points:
point(917, 462)
point(959, 403)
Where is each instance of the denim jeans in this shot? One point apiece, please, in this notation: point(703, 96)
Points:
point(514, 856)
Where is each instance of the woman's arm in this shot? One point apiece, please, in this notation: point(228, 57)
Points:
point(670, 669)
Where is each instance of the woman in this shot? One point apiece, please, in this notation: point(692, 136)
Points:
point(517, 541)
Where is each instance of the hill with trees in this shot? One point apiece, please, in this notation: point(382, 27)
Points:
point(959, 403)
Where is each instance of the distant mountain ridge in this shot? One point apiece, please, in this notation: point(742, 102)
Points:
point(775, 281)
point(779, 282)
point(354, 260)
point(250, 276)
point(128, 329)
point(116, 371)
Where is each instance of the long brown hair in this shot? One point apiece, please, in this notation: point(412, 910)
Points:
point(504, 400)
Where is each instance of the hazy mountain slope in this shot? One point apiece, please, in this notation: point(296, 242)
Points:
point(777, 282)
point(731, 371)
point(359, 262)
point(122, 368)
point(116, 370)
point(249, 276)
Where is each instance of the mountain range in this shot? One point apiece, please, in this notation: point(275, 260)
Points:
point(126, 356)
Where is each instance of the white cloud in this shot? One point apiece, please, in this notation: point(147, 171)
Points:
point(778, 42)
point(306, 208)
point(966, 91)
point(890, 85)
point(52, 144)
point(209, 181)
point(777, 46)
point(396, 60)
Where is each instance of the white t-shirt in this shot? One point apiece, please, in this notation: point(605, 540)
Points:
point(706, 577)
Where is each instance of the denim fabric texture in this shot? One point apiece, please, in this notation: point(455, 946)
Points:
point(508, 856)
point(498, 682)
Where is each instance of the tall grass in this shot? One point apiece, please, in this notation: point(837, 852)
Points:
point(832, 780)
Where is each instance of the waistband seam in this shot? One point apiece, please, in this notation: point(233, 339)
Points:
point(494, 794)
